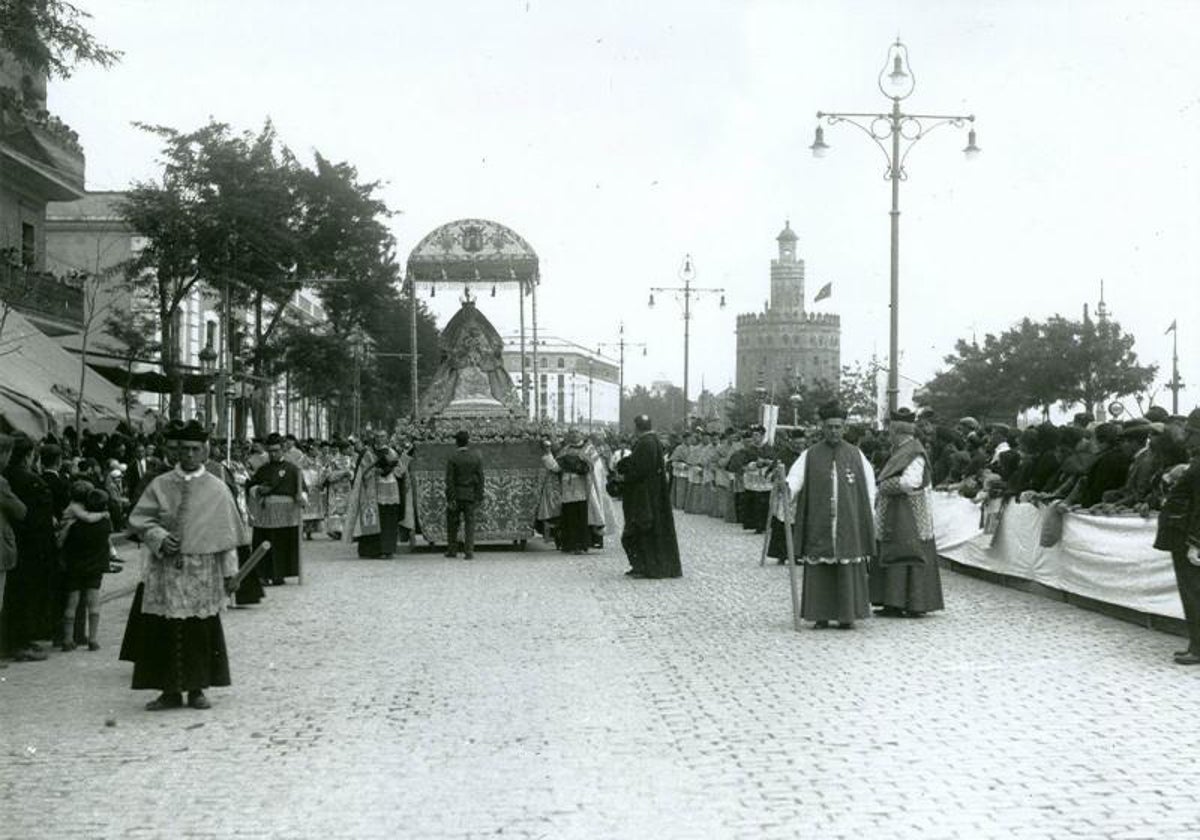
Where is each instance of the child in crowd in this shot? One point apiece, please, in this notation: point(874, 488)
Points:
point(85, 548)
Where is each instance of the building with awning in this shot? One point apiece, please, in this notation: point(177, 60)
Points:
point(39, 387)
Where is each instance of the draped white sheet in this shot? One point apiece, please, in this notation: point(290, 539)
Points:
point(1106, 558)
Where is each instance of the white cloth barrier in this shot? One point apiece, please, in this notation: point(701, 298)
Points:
point(1105, 558)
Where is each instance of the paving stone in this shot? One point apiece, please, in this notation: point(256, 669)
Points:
point(538, 695)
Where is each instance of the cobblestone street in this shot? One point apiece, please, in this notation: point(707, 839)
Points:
point(536, 695)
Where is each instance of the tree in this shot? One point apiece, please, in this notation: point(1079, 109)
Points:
point(240, 215)
point(344, 237)
point(134, 336)
point(857, 392)
point(1107, 366)
point(1035, 365)
point(95, 306)
point(50, 37)
point(664, 406)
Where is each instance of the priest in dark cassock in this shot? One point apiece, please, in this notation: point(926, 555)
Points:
point(278, 494)
point(649, 535)
point(190, 528)
point(833, 485)
point(905, 580)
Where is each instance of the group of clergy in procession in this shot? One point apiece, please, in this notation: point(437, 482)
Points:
point(861, 538)
point(214, 530)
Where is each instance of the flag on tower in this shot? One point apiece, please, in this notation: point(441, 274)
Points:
point(1171, 328)
point(825, 292)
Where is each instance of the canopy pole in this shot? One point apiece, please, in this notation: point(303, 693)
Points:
point(537, 388)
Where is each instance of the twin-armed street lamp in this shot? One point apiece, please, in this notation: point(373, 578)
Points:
point(687, 274)
point(897, 82)
point(621, 343)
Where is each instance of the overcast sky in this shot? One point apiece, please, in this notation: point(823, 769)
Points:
point(618, 136)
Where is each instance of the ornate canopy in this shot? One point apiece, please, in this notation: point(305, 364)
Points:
point(473, 251)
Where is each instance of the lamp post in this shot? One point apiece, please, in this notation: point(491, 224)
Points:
point(795, 400)
point(687, 274)
point(896, 82)
point(621, 343)
point(208, 363)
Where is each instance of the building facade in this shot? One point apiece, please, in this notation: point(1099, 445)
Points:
point(784, 346)
point(576, 387)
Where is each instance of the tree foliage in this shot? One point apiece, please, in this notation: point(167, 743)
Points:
point(1037, 365)
point(238, 212)
point(134, 336)
point(664, 406)
point(50, 36)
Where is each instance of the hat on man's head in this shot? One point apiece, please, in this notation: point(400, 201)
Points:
point(1192, 424)
point(969, 422)
point(1157, 414)
point(830, 410)
point(274, 439)
point(192, 430)
point(758, 428)
point(1136, 428)
point(1106, 432)
point(903, 415)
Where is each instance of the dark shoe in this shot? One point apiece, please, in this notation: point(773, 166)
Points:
point(820, 625)
point(29, 655)
point(634, 573)
point(845, 625)
point(889, 612)
point(197, 700)
point(450, 554)
point(469, 555)
point(164, 701)
point(67, 647)
point(914, 614)
point(1188, 658)
point(93, 646)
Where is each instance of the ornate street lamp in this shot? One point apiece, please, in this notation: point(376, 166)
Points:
point(896, 82)
point(208, 364)
point(687, 273)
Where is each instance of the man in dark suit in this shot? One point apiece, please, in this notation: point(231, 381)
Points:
point(464, 492)
point(1179, 533)
point(50, 456)
point(136, 474)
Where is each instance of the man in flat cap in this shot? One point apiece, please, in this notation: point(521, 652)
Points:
point(190, 529)
point(833, 485)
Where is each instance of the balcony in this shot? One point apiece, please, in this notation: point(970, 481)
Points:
point(42, 148)
point(55, 306)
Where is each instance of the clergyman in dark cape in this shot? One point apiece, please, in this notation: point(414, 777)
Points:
point(833, 483)
point(649, 535)
point(278, 490)
point(904, 576)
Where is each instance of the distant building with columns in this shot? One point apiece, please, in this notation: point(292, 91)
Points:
point(784, 344)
